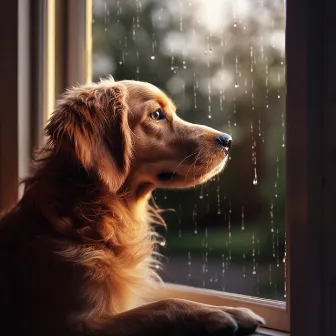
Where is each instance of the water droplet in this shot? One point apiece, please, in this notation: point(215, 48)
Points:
point(255, 180)
point(153, 57)
point(235, 24)
point(120, 62)
point(278, 96)
point(236, 85)
point(105, 29)
point(163, 243)
point(209, 116)
point(195, 232)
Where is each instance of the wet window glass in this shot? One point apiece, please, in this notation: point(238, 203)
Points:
point(223, 64)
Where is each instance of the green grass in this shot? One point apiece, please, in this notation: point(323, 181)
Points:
point(219, 243)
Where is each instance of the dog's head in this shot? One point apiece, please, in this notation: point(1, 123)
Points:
point(128, 133)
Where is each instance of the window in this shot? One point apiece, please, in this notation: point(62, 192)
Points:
point(310, 165)
point(223, 64)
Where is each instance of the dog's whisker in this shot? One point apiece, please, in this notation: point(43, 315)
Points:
point(196, 159)
point(182, 162)
point(194, 163)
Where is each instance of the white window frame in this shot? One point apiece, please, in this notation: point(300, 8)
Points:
point(61, 56)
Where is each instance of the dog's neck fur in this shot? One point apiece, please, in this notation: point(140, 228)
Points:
point(86, 210)
point(85, 214)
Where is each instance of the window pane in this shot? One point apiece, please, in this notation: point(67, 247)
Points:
point(222, 62)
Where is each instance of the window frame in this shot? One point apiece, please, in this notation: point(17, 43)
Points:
point(311, 184)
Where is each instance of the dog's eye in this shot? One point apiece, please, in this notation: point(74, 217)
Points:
point(158, 115)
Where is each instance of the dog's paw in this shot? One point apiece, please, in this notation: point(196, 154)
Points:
point(246, 320)
point(203, 320)
point(216, 322)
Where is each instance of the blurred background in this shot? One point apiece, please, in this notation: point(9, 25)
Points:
point(222, 62)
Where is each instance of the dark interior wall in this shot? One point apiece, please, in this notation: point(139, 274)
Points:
point(311, 165)
point(329, 164)
point(9, 104)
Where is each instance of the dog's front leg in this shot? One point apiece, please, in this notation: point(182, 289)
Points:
point(179, 317)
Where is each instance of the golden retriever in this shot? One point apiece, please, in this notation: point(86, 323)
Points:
point(77, 252)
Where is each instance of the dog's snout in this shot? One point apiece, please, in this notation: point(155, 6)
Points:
point(224, 140)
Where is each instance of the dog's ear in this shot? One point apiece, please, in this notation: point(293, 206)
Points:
point(93, 121)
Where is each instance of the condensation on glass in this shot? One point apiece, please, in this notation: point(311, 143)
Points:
point(223, 64)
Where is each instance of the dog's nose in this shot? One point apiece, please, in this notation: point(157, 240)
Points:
point(224, 140)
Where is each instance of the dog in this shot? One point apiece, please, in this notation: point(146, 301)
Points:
point(78, 250)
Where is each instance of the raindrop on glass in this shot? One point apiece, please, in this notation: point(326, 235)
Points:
point(189, 265)
point(194, 217)
point(255, 180)
point(244, 266)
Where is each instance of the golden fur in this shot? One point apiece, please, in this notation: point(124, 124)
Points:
point(77, 253)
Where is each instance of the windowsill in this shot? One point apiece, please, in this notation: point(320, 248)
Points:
point(269, 332)
point(274, 312)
